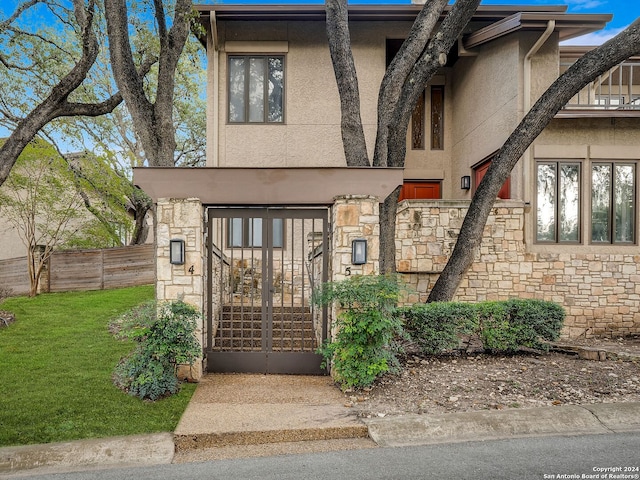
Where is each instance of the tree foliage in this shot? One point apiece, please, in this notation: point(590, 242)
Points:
point(39, 200)
point(59, 68)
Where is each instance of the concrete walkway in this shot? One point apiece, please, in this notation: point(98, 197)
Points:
point(232, 416)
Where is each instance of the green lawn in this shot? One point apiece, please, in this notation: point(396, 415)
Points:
point(56, 363)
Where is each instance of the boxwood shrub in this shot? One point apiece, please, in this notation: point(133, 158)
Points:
point(437, 327)
point(502, 326)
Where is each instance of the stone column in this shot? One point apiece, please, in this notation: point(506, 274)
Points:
point(352, 217)
point(181, 219)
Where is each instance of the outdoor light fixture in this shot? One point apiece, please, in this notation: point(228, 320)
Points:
point(359, 251)
point(176, 252)
point(465, 182)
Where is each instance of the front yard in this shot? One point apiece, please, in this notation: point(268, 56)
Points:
point(56, 363)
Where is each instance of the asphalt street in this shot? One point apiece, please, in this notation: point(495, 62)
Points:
point(604, 456)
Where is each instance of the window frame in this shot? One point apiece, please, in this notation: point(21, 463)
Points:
point(247, 57)
point(611, 208)
point(557, 187)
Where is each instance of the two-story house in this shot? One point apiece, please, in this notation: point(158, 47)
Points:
point(565, 227)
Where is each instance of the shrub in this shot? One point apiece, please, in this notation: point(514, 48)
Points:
point(365, 345)
point(437, 327)
point(165, 337)
point(503, 326)
point(507, 326)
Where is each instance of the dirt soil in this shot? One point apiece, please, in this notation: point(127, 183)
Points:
point(474, 380)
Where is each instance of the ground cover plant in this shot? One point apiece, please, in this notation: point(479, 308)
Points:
point(57, 361)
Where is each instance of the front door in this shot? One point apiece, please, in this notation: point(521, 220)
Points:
point(263, 265)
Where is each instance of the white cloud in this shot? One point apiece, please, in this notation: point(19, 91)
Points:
point(595, 38)
point(585, 4)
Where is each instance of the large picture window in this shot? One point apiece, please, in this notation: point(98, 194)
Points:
point(613, 187)
point(558, 202)
point(256, 89)
point(247, 232)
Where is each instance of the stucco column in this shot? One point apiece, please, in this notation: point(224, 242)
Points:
point(181, 219)
point(354, 217)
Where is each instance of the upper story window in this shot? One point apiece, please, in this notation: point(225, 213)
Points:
point(613, 187)
point(256, 89)
point(560, 201)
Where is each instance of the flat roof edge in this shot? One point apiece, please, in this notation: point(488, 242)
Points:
point(266, 186)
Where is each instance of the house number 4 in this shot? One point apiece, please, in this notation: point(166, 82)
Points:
point(191, 269)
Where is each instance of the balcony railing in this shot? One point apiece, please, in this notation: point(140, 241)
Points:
point(614, 92)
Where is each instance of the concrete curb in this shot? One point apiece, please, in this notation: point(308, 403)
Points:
point(136, 450)
point(394, 431)
point(491, 425)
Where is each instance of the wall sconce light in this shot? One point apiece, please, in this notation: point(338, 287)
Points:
point(176, 252)
point(359, 251)
point(465, 182)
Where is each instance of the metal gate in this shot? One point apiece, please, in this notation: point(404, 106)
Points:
point(263, 265)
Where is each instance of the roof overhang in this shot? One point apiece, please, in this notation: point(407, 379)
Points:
point(567, 25)
point(499, 19)
point(266, 186)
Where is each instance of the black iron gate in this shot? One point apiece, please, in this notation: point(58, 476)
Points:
point(263, 264)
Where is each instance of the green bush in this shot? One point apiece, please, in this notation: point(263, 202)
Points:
point(365, 345)
point(507, 326)
point(165, 337)
point(437, 327)
point(503, 326)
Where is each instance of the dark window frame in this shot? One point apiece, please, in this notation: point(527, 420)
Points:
point(247, 58)
point(437, 117)
point(557, 216)
point(611, 214)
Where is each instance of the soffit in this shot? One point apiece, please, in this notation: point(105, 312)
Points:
point(567, 25)
point(266, 186)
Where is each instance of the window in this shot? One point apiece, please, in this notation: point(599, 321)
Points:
point(417, 125)
point(247, 232)
point(558, 202)
point(437, 117)
point(613, 188)
point(256, 89)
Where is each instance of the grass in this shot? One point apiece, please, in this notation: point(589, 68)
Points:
point(56, 362)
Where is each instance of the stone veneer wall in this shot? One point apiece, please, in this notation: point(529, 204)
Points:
point(352, 217)
point(181, 219)
point(600, 293)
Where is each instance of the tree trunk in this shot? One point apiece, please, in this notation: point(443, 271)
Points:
point(583, 71)
point(153, 121)
point(388, 212)
point(433, 58)
point(142, 205)
point(355, 147)
point(399, 69)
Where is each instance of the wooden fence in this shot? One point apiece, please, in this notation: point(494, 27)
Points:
point(84, 270)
